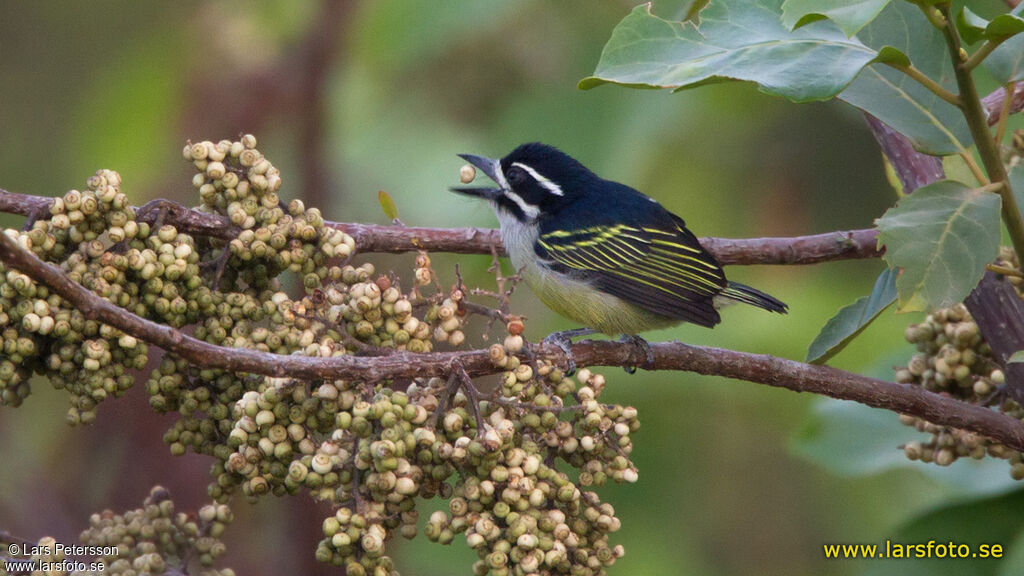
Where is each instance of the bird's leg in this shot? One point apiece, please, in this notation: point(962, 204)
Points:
point(644, 347)
point(563, 340)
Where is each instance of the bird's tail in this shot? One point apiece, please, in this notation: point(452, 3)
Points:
point(743, 293)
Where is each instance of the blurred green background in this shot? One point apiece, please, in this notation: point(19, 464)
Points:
point(349, 98)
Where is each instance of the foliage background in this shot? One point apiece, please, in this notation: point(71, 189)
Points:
point(736, 478)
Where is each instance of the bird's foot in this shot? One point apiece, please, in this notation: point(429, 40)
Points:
point(644, 347)
point(563, 340)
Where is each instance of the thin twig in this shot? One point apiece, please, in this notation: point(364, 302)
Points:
point(779, 372)
point(370, 238)
point(981, 53)
point(932, 86)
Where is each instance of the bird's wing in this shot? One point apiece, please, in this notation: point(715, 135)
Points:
point(662, 269)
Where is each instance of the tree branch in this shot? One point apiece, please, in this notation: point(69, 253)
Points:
point(913, 168)
point(843, 245)
point(758, 368)
point(999, 313)
point(993, 103)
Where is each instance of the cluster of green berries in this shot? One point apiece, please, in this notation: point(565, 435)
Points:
point(155, 539)
point(494, 460)
point(952, 358)
point(92, 235)
point(372, 450)
point(235, 180)
point(517, 510)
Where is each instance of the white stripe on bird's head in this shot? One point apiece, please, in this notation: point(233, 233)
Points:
point(529, 210)
point(547, 184)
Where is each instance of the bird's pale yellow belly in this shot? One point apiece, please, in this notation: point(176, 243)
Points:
point(575, 299)
point(591, 308)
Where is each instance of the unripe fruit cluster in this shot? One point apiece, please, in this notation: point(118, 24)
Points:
point(154, 539)
point(40, 333)
point(952, 358)
point(373, 450)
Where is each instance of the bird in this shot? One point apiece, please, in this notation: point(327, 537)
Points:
point(601, 253)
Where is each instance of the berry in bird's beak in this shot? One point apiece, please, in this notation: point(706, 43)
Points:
point(490, 167)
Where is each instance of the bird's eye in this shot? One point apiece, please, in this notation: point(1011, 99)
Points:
point(515, 176)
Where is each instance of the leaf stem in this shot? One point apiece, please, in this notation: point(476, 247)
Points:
point(982, 53)
point(974, 114)
point(1004, 270)
point(932, 86)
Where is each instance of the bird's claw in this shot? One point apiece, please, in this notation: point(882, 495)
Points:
point(644, 347)
point(563, 340)
point(564, 344)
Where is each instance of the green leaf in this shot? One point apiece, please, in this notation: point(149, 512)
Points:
point(942, 236)
point(971, 26)
point(1013, 563)
point(851, 320)
point(1016, 176)
point(387, 204)
point(932, 124)
point(854, 440)
point(1004, 26)
point(737, 40)
point(1006, 63)
point(974, 28)
point(1017, 356)
point(993, 521)
point(851, 439)
point(850, 15)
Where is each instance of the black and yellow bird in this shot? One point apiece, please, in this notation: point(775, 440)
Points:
point(601, 253)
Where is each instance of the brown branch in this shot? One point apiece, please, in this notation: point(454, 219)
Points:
point(993, 103)
point(913, 168)
point(999, 314)
point(758, 368)
point(843, 245)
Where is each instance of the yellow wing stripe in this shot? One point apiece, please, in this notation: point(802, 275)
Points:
point(662, 252)
point(648, 256)
point(682, 282)
point(675, 245)
point(671, 271)
point(604, 230)
point(645, 282)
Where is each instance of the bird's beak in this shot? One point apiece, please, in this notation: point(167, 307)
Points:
point(490, 167)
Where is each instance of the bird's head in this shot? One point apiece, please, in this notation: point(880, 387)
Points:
point(533, 180)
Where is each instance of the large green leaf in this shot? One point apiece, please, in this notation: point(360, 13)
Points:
point(942, 236)
point(931, 123)
point(995, 521)
point(851, 320)
point(736, 40)
point(854, 440)
point(850, 15)
point(1006, 63)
